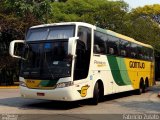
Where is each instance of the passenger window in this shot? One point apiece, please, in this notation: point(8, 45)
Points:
point(112, 45)
point(111, 51)
point(151, 55)
point(145, 53)
point(124, 48)
point(99, 43)
point(140, 52)
point(96, 49)
point(133, 50)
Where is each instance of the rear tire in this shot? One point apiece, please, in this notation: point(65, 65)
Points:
point(146, 84)
point(141, 88)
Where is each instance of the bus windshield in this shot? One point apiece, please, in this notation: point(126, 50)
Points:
point(53, 32)
point(46, 60)
point(47, 53)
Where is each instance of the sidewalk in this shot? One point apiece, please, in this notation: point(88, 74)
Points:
point(9, 87)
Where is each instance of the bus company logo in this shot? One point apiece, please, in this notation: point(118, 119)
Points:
point(133, 64)
point(83, 91)
point(99, 63)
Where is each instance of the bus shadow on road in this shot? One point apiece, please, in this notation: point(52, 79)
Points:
point(108, 98)
point(51, 105)
point(22, 103)
point(114, 97)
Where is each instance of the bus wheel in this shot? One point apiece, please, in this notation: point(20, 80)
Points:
point(146, 84)
point(95, 98)
point(141, 88)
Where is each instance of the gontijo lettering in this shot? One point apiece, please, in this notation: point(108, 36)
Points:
point(134, 64)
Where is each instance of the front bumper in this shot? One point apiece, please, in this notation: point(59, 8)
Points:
point(60, 94)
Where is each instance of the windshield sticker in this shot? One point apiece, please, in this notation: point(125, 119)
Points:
point(55, 62)
point(83, 91)
point(47, 45)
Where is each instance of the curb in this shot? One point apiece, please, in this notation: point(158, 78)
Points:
point(9, 87)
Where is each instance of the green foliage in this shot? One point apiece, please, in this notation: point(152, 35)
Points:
point(144, 25)
point(24, 8)
point(103, 13)
point(152, 11)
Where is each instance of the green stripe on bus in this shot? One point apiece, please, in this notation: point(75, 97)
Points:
point(123, 71)
point(115, 70)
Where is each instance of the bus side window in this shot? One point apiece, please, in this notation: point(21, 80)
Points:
point(151, 54)
point(140, 52)
point(133, 50)
point(111, 51)
point(124, 47)
point(112, 45)
point(133, 54)
point(96, 49)
point(147, 54)
point(99, 43)
point(123, 53)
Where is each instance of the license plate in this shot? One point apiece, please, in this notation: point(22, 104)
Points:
point(40, 94)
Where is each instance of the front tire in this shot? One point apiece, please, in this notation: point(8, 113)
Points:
point(96, 91)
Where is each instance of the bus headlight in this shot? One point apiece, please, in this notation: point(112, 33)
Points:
point(21, 83)
point(64, 84)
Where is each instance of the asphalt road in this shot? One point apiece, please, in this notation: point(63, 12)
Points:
point(11, 104)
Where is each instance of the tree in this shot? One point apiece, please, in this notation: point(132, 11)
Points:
point(40, 9)
point(143, 26)
point(15, 17)
point(103, 13)
point(152, 11)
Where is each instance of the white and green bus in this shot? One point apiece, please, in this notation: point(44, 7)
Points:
point(72, 61)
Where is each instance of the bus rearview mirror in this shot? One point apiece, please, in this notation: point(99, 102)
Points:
point(12, 51)
point(72, 46)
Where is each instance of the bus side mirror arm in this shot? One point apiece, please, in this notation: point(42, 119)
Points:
point(72, 42)
point(12, 48)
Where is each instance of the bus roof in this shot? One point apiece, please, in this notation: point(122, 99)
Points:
point(97, 28)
